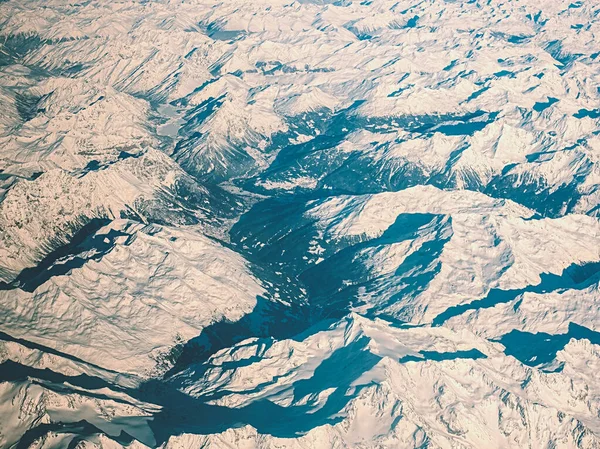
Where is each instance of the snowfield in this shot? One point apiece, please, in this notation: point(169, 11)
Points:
point(330, 224)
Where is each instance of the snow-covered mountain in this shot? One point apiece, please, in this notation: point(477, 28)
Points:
point(299, 224)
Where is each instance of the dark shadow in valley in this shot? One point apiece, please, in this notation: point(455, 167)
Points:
point(42, 348)
point(276, 233)
point(574, 276)
point(78, 430)
point(358, 172)
point(334, 285)
point(472, 354)
point(536, 193)
point(13, 371)
point(534, 349)
point(85, 245)
point(184, 414)
point(267, 319)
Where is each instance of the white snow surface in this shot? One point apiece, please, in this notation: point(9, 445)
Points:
point(426, 270)
point(155, 288)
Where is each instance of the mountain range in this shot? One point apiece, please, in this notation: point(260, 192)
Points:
point(329, 224)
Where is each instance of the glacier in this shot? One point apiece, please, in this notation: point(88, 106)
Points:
point(330, 224)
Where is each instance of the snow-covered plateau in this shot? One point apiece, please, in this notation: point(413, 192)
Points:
point(303, 224)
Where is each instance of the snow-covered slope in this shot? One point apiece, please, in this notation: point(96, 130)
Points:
point(128, 294)
point(363, 383)
point(299, 224)
point(434, 249)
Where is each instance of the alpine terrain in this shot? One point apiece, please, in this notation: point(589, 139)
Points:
point(298, 224)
